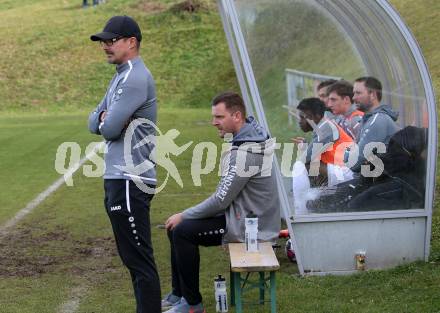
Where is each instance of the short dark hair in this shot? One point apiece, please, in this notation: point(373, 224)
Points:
point(326, 83)
point(342, 88)
point(313, 105)
point(232, 100)
point(372, 84)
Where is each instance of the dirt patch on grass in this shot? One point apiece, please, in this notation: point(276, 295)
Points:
point(151, 7)
point(26, 254)
point(190, 6)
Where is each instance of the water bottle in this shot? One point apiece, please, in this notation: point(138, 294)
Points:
point(221, 297)
point(251, 232)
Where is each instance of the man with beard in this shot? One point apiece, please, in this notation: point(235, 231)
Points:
point(378, 123)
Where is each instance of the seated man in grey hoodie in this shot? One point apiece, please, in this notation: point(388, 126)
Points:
point(248, 184)
point(378, 124)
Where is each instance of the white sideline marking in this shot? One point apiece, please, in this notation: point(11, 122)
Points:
point(74, 299)
point(42, 196)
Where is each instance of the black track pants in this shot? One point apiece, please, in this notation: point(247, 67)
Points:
point(128, 208)
point(185, 240)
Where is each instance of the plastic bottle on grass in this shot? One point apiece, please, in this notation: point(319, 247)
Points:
point(221, 297)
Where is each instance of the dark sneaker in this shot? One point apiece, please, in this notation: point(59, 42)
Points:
point(184, 307)
point(169, 301)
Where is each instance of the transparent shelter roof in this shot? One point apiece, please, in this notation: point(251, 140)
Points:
point(283, 49)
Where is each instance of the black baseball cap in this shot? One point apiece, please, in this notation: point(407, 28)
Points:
point(119, 26)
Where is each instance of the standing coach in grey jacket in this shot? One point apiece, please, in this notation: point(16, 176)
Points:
point(130, 95)
point(248, 184)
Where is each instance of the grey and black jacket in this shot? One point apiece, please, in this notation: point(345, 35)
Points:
point(130, 95)
point(324, 135)
point(248, 184)
point(377, 126)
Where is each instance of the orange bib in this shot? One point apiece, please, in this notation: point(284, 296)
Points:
point(335, 153)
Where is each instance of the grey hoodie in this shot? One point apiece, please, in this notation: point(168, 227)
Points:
point(377, 126)
point(248, 184)
point(130, 95)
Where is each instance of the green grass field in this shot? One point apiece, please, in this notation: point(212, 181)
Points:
point(53, 76)
point(66, 243)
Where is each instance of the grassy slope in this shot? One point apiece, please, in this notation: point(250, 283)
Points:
point(69, 228)
point(55, 67)
point(423, 18)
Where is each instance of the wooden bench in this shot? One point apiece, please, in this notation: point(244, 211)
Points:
point(264, 261)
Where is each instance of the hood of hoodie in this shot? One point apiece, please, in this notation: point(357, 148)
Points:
point(251, 131)
point(253, 138)
point(384, 108)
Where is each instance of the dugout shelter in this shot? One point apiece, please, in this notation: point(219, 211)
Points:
point(281, 49)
